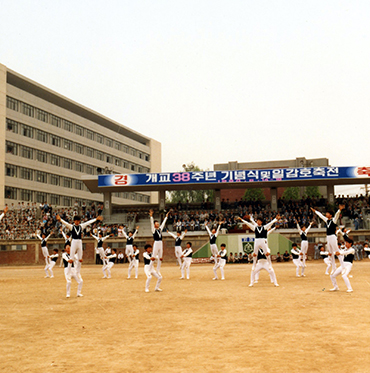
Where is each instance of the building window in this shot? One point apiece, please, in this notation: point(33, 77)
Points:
point(89, 170)
point(109, 142)
point(126, 149)
point(125, 164)
point(12, 103)
point(27, 131)
point(25, 173)
point(99, 139)
point(132, 167)
point(10, 170)
point(41, 156)
point(56, 121)
point(108, 158)
point(11, 126)
point(139, 169)
point(99, 155)
point(117, 145)
point(42, 115)
point(79, 130)
point(54, 140)
point(40, 197)
point(27, 109)
point(147, 157)
point(133, 152)
point(55, 160)
point(78, 185)
point(79, 167)
point(140, 155)
point(68, 163)
point(54, 199)
point(26, 195)
point(41, 177)
point(11, 148)
point(67, 182)
point(117, 162)
point(90, 152)
point(54, 179)
point(68, 126)
point(26, 152)
point(79, 148)
point(68, 144)
point(10, 193)
point(133, 196)
point(41, 136)
point(67, 201)
point(90, 134)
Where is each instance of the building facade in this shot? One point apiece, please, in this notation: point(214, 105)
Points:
point(48, 142)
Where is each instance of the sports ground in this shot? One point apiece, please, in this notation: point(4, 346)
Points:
point(195, 325)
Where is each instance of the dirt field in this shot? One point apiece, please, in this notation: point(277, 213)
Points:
point(198, 325)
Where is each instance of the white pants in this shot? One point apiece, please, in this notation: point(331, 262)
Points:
point(158, 253)
point(327, 261)
point(298, 264)
point(259, 243)
point(304, 249)
point(107, 268)
point(263, 264)
point(102, 255)
point(51, 266)
point(186, 266)
point(178, 253)
point(134, 263)
point(129, 251)
point(70, 273)
point(347, 266)
point(76, 249)
point(45, 252)
point(332, 245)
point(220, 264)
point(150, 271)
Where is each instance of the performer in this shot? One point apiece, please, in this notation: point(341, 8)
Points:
point(157, 235)
point(149, 269)
point(76, 232)
point(348, 255)
point(70, 272)
point(178, 240)
point(45, 251)
point(134, 262)
point(331, 227)
point(111, 260)
point(296, 253)
point(212, 242)
point(325, 255)
point(187, 256)
point(367, 249)
point(100, 249)
point(304, 243)
point(222, 254)
point(4, 212)
point(260, 231)
point(53, 260)
point(263, 262)
point(129, 242)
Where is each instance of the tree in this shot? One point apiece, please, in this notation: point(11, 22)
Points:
point(188, 195)
point(291, 193)
point(254, 194)
point(312, 192)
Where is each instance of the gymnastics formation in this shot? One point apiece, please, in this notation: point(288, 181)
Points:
point(72, 256)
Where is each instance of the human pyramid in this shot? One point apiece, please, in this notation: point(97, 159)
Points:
point(153, 254)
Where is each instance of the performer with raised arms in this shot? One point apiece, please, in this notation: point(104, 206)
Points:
point(178, 240)
point(304, 243)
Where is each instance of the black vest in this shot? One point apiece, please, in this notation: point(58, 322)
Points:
point(113, 259)
point(157, 235)
point(324, 255)
point(65, 262)
point(178, 241)
point(43, 243)
point(260, 232)
point(146, 260)
point(76, 232)
point(68, 242)
point(190, 255)
point(304, 236)
point(331, 227)
point(224, 256)
point(137, 256)
point(212, 239)
point(261, 255)
point(130, 240)
point(295, 256)
point(54, 259)
point(349, 258)
point(100, 243)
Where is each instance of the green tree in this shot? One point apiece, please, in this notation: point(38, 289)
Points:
point(312, 191)
point(291, 193)
point(192, 196)
point(254, 194)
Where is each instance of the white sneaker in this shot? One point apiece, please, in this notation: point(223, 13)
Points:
point(215, 278)
point(349, 291)
point(303, 275)
point(250, 285)
point(182, 278)
point(47, 277)
point(334, 289)
point(147, 290)
point(67, 296)
point(128, 278)
point(79, 295)
point(298, 276)
point(158, 289)
point(350, 276)
point(104, 277)
point(256, 282)
point(276, 285)
point(327, 273)
point(223, 278)
point(51, 276)
point(188, 278)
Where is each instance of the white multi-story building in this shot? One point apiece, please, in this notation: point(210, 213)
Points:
point(49, 141)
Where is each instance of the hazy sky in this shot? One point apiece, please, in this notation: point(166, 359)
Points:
point(213, 81)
